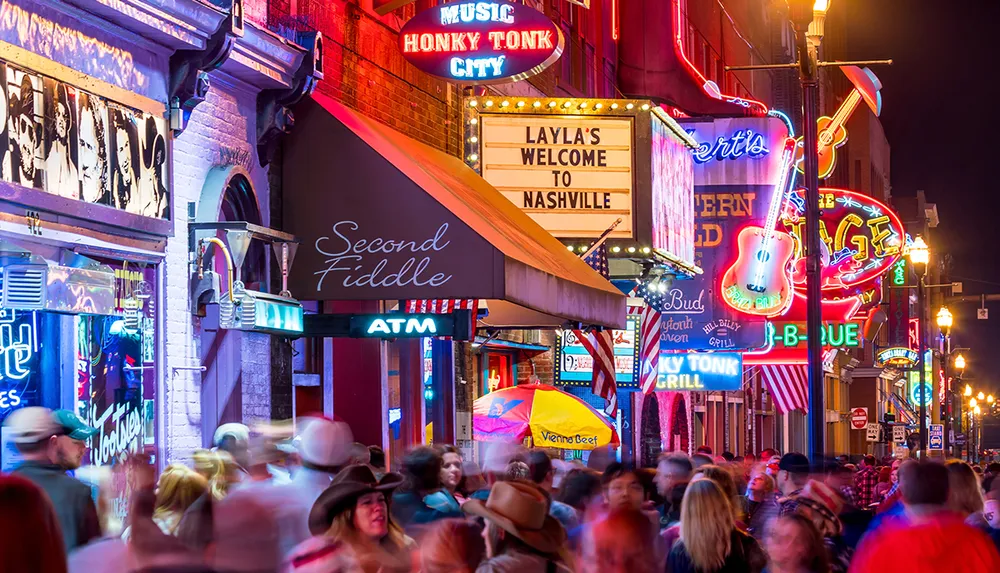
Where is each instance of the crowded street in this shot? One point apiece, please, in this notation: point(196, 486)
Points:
point(497, 286)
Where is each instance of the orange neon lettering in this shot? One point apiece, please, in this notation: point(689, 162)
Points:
point(474, 40)
point(442, 42)
point(426, 42)
point(544, 40)
point(458, 41)
point(496, 38)
point(410, 43)
point(513, 40)
point(528, 40)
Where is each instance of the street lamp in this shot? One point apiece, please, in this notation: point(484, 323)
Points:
point(945, 319)
point(968, 390)
point(973, 403)
point(944, 322)
point(960, 364)
point(981, 396)
point(989, 399)
point(920, 255)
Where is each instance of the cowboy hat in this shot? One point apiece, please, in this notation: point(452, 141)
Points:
point(350, 484)
point(521, 509)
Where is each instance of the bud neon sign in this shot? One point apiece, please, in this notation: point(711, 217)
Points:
point(481, 42)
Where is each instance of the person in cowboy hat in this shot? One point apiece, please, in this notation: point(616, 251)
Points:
point(521, 536)
point(353, 529)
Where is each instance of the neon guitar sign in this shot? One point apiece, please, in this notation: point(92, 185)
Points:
point(759, 281)
point(831, 131)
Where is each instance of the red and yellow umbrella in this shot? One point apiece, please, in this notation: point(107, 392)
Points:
point(553, 419)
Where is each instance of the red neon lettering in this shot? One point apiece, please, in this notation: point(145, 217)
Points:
point(410, 43)
point(441, 42)
point(544, 40)
point(458, 41)
point(474, 41)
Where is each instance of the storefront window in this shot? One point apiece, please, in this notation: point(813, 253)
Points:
point(499, 373)
point(116, 377)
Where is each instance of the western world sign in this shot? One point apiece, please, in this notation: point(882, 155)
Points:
point(481, 42)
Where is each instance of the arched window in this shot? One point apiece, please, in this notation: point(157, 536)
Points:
point(240, 204)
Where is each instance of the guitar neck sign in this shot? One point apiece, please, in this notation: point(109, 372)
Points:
point(481, 42)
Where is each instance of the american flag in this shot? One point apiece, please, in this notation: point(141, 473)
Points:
point(788, 385)
point(649, 346)
point(600, 345)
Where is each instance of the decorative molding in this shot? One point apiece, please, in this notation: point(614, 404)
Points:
point(274, 118)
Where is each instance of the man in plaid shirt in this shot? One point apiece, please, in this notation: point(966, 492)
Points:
point(865, 481)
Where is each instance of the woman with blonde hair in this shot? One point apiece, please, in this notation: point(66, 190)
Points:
point(178, 487)
point(710, 541)
point(965, 495)
point(353, 529)
point(219, 468)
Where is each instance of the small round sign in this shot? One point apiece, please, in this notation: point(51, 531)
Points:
point(481, 42)
point(859, 418)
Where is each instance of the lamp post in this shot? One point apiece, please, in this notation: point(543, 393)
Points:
point(809, 19)
point(960, 367)
point(944, 321)
point(919, 257)
point(977, 413)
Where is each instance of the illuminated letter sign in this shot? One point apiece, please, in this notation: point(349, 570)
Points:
point(481, 42)
point(861, 238)
point(896, 356)
point(742, 143)
point(700, 371)
point(401, 326)
point(832, 334)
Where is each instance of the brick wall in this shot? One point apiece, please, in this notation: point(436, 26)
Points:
point(227, 119)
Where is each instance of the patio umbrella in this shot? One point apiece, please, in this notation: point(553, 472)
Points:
point(553, 419)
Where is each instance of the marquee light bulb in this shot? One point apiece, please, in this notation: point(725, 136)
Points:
point(552, 104)
point(570, 248)
point(473, 103)
point(614, 106)
point(473, 157)
point(583, 105)
point(520, 104)
point(645, 250)
point(473, 139)
point(598, 105)
point(616, 249)
point(489, 103)
point(631, 249)
point(567, 104)
point(537, 104)
point(473, 121)
point(629, 106)
point(645, 107)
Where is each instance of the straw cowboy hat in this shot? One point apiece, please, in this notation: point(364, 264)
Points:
point(350, 484)
point(521, 509)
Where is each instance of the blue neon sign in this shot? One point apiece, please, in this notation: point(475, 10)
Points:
point(742, 143)
point(19, 366)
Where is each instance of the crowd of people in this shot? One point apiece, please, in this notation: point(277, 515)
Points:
point(268, 501)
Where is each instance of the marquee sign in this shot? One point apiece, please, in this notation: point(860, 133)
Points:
point(571, 174)
point(479, 42)
point(896, 356)
point(861, 239)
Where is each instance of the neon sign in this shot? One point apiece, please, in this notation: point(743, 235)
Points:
point(899, 273)
point(832, 334)
point(742, 143)
point(481, 42)
point(397, 326)
point(700, 371)
point(861, 238)
point(896, 356)
point(915, 394)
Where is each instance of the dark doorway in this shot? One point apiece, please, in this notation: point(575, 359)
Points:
point(650, 446)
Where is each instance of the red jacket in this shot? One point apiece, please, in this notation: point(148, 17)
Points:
point(931, 544)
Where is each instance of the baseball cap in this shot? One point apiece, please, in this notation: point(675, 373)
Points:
point(35, 423)
point(794, 463)
point(238, 432)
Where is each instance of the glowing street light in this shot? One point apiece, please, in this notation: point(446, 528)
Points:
point(989, 399)
point(981, 396)
point(960, 364)
point(968, 390)
point(919, 253)
point(945, 318)
point(973, 403)
point(977, 411)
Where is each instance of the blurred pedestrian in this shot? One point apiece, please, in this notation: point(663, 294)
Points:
point(219, 468)
point(234, 439)
point(965, 496)
point(621, 543)
point(452, 546)
point(376, 455)
point(699, 460)
point(929, 538)
point(452, 478)
point(353, 529)
point(673, 472)
point(521, 536)
point(724, 479)
point(517, 469)
point(761, 504)
point(600, 458)
point(421, 499)
point(30, 539)
point(52, 443)
point(178, 487)
point(883, 486)
point(622, 487)
point(244, 536)
point(541, 473)
point(579, 489)
point(498, 456)
point(865, 481)
point(793, 475)
point(709, 539)
point(324, 447)
point(893, 496)
point(794, 545)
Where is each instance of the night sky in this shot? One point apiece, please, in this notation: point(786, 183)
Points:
point(940, 116)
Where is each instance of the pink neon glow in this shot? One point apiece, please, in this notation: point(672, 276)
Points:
point(759, 108)
point(614, 20)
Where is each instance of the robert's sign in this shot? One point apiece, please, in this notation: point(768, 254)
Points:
point(571, 174)
point(481, 42)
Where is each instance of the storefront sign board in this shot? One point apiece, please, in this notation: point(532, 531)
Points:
point(481, 42)
point(576, 365)
point(700, 371)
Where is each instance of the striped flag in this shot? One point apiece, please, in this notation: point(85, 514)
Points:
point(649, 346)
point(601, 348)
point(600, 345)
point(441, 306)
point(788, 385)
